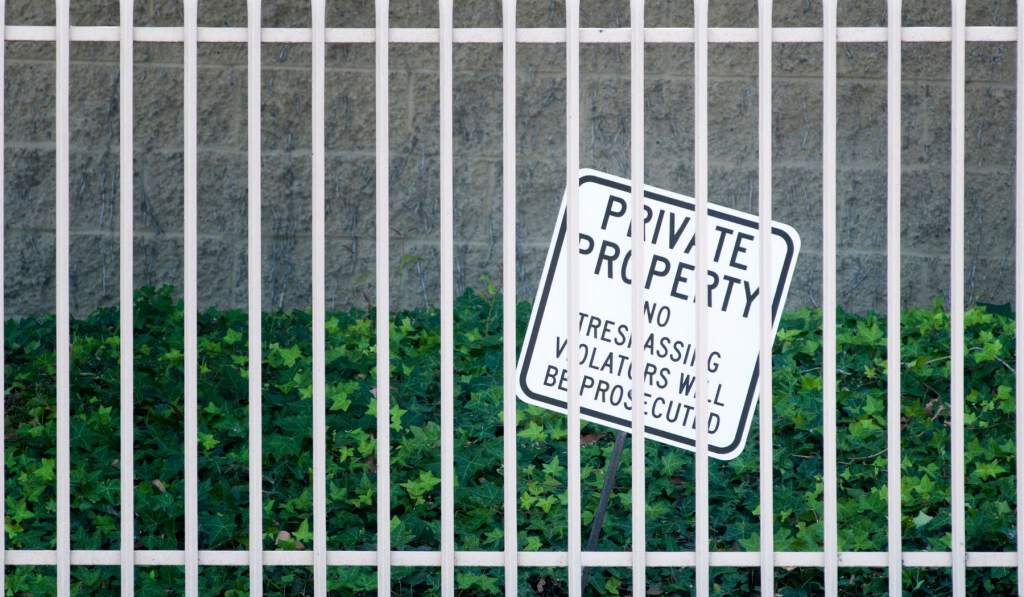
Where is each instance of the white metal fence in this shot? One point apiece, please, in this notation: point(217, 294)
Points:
point(509, 36)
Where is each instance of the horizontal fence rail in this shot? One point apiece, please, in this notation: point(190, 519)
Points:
point(532, 559)
point(448, 557)
point(531, 35)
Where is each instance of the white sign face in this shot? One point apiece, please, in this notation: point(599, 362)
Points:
point(732, 292)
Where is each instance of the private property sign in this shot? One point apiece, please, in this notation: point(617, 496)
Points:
point(671, 290)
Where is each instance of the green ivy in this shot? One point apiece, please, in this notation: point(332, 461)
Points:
point(223, 452)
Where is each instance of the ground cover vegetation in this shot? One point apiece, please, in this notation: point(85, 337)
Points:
point(30, 427)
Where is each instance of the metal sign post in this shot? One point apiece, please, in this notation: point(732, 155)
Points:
point(606, 494)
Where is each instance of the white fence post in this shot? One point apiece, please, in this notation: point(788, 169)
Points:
point(764, 211)
point(700, 194)
point(319, 320)
point(828, 296)
point(636, 141)
point(956, 296)
point(447, 309)
point(508, 225)
point(255, 289)
point(63, 242)
point(572, 177)
point(383, 293)
point(127, 249)
point(1018, 194)
point(895, 143)
point(3, 364)
point(191, 308)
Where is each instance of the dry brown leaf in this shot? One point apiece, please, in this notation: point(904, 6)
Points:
point(282, 535)
point(655, 591)
point(159, 485)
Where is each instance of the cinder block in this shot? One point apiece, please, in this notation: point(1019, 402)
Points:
point(220, 102)
point(159, 115)
point(796, 122)
point(989, 212)
point(27, 12)
point(350, 196)
point(540, 117)
point(29, 261)
point(860, 209)
point(223, 193)
point(29, 102)
point(925, 212)
point(862, 61)
point(217, 272)
point(159, 192)
point(95, 106)
point(861, 127)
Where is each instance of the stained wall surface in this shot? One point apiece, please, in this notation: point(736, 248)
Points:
point(29, 175)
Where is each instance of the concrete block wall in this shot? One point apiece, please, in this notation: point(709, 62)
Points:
point(414, 121)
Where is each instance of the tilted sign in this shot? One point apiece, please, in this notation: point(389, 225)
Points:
point(732, 292)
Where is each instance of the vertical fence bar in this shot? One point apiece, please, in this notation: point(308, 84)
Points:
point(508, 272)
point(894, 142)
point(828, 296)
point(572, 170)
point(63, 241)
point(1018, 296)
point(447, 311)
point(700, 194)
point(319, 16)
point(255, 273)
point(191, 303)
point(383, 336)
point(636, 140)
point(956, 294)
point(3, 382)
point(127, 319)
point(764, 212)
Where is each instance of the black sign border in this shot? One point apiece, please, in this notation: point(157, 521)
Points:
point(531, 342)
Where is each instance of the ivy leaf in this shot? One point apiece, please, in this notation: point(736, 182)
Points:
point(279, 446)
point(553, 468)
point(232, 336)
point(338, 395)
point(45, 470)
point(487, 494)
point(487, 583)
point(396, 417)
point(419, 487)
point(304, 534)
point(989, 352)
point(751, 543)
point(533, 432)
point(533, 543)
point(218, 528)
